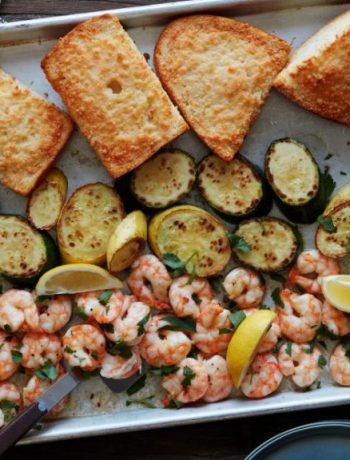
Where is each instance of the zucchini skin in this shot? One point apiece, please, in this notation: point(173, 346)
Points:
point(52, 260)
point(262, 209)
point(306, 213)
point(122, 186)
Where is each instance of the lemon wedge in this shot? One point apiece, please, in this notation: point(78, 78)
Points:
point(336, 289)
point(245, 341)
point(127, 242)
point(71, 278)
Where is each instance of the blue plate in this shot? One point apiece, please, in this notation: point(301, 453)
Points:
point(329, 440)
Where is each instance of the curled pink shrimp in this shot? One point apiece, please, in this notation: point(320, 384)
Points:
point(245, 287)
point(38, 348)
point(299, 316)
point(187, 298)
point(118, 367)
point(8, 345)
point(220, 382)
point(339, 366)
point(263, 377)
point(102, 306)
point(310, 267)
point(213, 333)
point(336, 321)
point(54, 313)
point(188, 383)
point(18, 311)
point(149, 281)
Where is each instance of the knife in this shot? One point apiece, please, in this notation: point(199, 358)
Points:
point(28, 417)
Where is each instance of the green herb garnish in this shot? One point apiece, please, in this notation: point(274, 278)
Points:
point(239, 243)
point(326, 223)
point(137, 386)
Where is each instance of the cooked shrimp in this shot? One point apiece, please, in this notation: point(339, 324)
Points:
point(339, 366)
point(272, 336)
point(245, 287)
point(35, 387)
point(10, 394)
point(186, 299)
point(18, 311)
point(296, 361)
point(102, 311)
point(54, 313)
point(220, 382)
point(8, 344)
point(299, 316)
point(209, 336)
point(336, 321)
point(149, 281)
point(38, 348)
point(189, 383)
point(310, 267)
point(131, 325)
point(263, 377)
point(118, 367)
point(164, 347)
point(84, 346)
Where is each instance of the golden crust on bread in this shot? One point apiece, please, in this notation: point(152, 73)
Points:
point(112, 94)
point(219, 72)
point(318, 75)
point(32, 133)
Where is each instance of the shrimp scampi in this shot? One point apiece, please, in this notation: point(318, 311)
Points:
point(149, 281)
point(84, 346)
point(188, 383)
point(219, 379)
point(18, 311)
point(213, 328)
point(119, 367)
point(161, 347)
point(299, 316)
point(339, 366)
point(10, 402)
point(336, 321)
point(300, 363)
point(187, 298)
point(9, 344)
point(263, 377)
point(54, 313)
point(310, 267)
point(102, 306)
point(130, 326)
point(245, 287)
point(38, 348)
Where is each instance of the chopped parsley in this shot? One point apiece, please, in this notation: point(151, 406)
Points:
point(239, 243)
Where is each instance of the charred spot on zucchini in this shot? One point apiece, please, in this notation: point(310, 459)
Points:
point(273, 244)
point(334, 244)
point(25, 253)
point(163, 180)
point(187, 230)
point(87, 222)
point(46, 202)
point(300, 190)
point(235, 190)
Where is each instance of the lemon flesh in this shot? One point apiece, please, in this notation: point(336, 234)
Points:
point(127, 242)
point(72, 278)
point(245, 342)
point(336, 289)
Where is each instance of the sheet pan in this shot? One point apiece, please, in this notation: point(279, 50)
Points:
point(22, 45)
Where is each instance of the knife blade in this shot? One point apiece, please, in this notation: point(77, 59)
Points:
point(61, 388)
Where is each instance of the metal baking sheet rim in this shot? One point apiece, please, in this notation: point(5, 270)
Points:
point(53, 27)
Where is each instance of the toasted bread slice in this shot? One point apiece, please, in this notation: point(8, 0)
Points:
point(318, 74)
point(32, 133)
point(219, 72)
point(112, 94)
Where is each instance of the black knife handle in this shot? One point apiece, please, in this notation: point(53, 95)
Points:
point(23, 422)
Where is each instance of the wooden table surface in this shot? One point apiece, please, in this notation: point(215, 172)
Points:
point(229, 440)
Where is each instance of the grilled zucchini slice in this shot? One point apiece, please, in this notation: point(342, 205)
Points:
point(163, 180)
point(127, 242)
point(47, 200)
point(273, 244)
point(25, 253)
point(335, 244)
point(190, 231)
point(87, 222)
point(235, 190)
point(295, 179)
